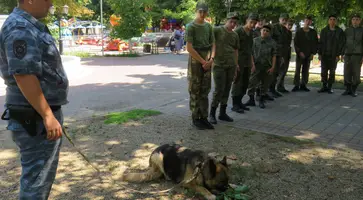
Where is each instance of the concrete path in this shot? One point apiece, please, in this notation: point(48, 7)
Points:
point(101, 85)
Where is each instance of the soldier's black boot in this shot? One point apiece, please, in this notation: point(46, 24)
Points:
point(268, 97)
point(212, 115)
point(275, 93)
point(261, 102)
point(251, 101)
point(348, 90)
point(198, 124)
point(223, 115)
point(330, 90)
point(354, 91)
point(207, 124)
point(324, 88)
point(237, 104)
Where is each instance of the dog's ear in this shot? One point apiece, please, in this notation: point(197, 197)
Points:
point(224, 161)
point(210, 169)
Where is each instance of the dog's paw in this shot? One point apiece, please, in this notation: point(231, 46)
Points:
point(212, 197)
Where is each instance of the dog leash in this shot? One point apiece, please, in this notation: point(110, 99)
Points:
point(79, 151)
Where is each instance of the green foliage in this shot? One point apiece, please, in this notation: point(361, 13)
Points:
point(7, 6)
point(184, 11)
point(122, 117)
point(80, 54)
point(235, 193)
point(134, 18)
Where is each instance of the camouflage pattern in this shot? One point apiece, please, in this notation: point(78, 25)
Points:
point(284, 67)
point(263, 50)
point(353, 55)
point(223, 78)
point(240, 84)
point(199, 81)
point(226, 45)
point(224, 64)
point(259, 79)
point(27, 47)
point(352, 69)
point(41, 59)
point(199, 88)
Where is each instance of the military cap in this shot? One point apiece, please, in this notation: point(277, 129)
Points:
point(253, 16)
point(284, 15)
point(333, 15)
point(309, 17)
point(201, 5)
point(232, 15)
point(356, 15)
point(267, 26)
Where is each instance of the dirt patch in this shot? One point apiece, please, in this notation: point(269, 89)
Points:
point(272, 167)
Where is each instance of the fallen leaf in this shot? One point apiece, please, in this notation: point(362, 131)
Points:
point(232, 157)
point(331, 177)
point(213, 154)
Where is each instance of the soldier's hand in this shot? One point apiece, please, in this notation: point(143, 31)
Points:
point(207, 65)
point(53, 128)
point(271, 70)
point(302, 55)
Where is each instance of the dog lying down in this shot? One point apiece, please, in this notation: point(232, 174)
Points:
point(191, 169)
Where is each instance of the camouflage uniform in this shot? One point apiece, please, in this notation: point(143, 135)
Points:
point(263, 51)
point(353, 58)
point(202, 39)
point(27, 47)
point(281, 36)
point(240, 85)
point(331, 46)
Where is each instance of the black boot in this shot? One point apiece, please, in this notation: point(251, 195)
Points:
point(323, 89)
point(304, 88)
point(251, 101)
point(261, 103)
point(199, 124)
point(268, 97)
point(330, 90)
point(348, 90)
point(275, 93)
point(237, 104)
point(354, 91)
point(295, 89)
point(212, 115)
point(223, 115)
point(207, 124)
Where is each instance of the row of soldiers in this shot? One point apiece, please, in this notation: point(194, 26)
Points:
point(254, 59)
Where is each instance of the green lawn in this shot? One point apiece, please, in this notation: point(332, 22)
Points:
point(122, 117)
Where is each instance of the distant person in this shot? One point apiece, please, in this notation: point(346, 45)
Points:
point(331, 47)
point(306, 46)
point(178, 38)
point(201, 48)
point(353, 56)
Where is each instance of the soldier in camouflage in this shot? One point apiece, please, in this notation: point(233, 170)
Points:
point(331, 47)
point(264, 53)
point(200, 45)
point(353, 56)
point(281, 36)
point(245, 62)
point(36, 88)
point(224, 67)
point(260, 23)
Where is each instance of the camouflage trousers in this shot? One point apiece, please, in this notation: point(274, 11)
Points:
point(352, 69)
point(199, 87)
point(240, 85)
point(223, 78)
point(39, 159)
point(259, 79)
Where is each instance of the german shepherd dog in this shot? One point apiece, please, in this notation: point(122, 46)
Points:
point(191, 169)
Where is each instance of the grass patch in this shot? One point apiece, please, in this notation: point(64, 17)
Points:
point(315, 81)
point(122, 117)
point(79, 54)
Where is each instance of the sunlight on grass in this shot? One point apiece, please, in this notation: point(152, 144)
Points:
point(122, 117)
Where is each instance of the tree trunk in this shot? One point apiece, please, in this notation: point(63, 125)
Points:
point(130, 46)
